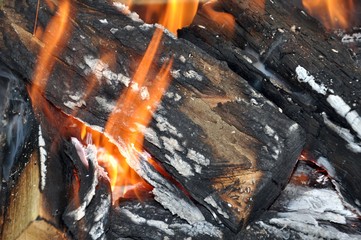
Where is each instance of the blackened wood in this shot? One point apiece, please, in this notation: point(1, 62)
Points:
point(309, 206)
point(287, 42)
point(149, 220)
point(17, 128)
point(230, 148)
point(87, 213)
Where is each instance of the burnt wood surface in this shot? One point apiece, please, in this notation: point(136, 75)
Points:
point(305, 70)
point(230, 148)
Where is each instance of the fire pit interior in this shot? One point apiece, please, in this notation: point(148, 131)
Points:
point(185, 119)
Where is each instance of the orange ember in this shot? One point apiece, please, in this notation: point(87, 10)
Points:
point(172, 14)
point(332, 13)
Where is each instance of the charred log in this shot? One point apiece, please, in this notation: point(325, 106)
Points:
point(305, 70)
point(230, 148)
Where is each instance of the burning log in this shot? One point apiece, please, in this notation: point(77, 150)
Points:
point(230, 148)
point(305, 70)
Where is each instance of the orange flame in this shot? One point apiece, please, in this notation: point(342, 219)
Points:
point(135, 107)
point(133, 110)
point(55, 37)
point(172, 14)
point(332, 13)
point(224, 20)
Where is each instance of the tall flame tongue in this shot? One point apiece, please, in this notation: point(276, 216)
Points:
point(332, 13)
point(133, 110)
point(55, 37)
point(135, 107)
point(172, 14)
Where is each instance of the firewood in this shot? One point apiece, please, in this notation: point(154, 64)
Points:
point(231, 149)
point(305, 70)
point(27, 213)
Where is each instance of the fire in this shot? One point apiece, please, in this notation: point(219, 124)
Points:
point(54, 40)
point(332, 13)
point(172, 14)
point(134, 108)
point(223, 20)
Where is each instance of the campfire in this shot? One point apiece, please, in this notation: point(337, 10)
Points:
point(180, 119)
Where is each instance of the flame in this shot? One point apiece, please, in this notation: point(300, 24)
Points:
point(136, 105)
point(172, 14)
point(54, 39)
point(133, 110)
point(224, 20)
point(332, 13)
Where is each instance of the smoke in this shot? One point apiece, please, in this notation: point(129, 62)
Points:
point(14, 113)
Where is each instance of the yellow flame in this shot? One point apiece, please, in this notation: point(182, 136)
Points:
point(332, 13)
point(172, 14)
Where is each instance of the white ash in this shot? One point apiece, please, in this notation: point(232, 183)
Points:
point(129, 28)
point(175, 73)
point(89, 154)
point(197, 157)
point(152, 137)
point(166, 31)
point(276, 152)
point(324, 163)
point(198, 168)
point(344, 110)
point(307, 208)
point(199, 228)
point(178, 206)
point(175, 96)
point(74, 105)
point(351, 38)
point(76, 97)
point(354, 119)
point(181, 166)
point(312, 231)
point(344, 133)
point(304, 76)
point(269, 131)
point(103, 21)
point(146, 26)
point(340, 106)
point(171, 144)
point(106, 105)
point(182, 59)
point(162, 189)
point(125, 10)
point(114, 30)
point(317, 202)
point(164, 126)
point(193, 75)
point(245, 57)
point(210, 200)
point(43, 158)
point(164, 227)
point(100, 69)
point(97, 230)
point(144, 93)
point(272, 229)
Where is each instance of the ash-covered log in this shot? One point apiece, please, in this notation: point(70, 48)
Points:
point(301, 67)
point(231, 149)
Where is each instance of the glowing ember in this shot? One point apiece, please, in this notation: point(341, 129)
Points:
point(332, 13)
point(172, 14)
